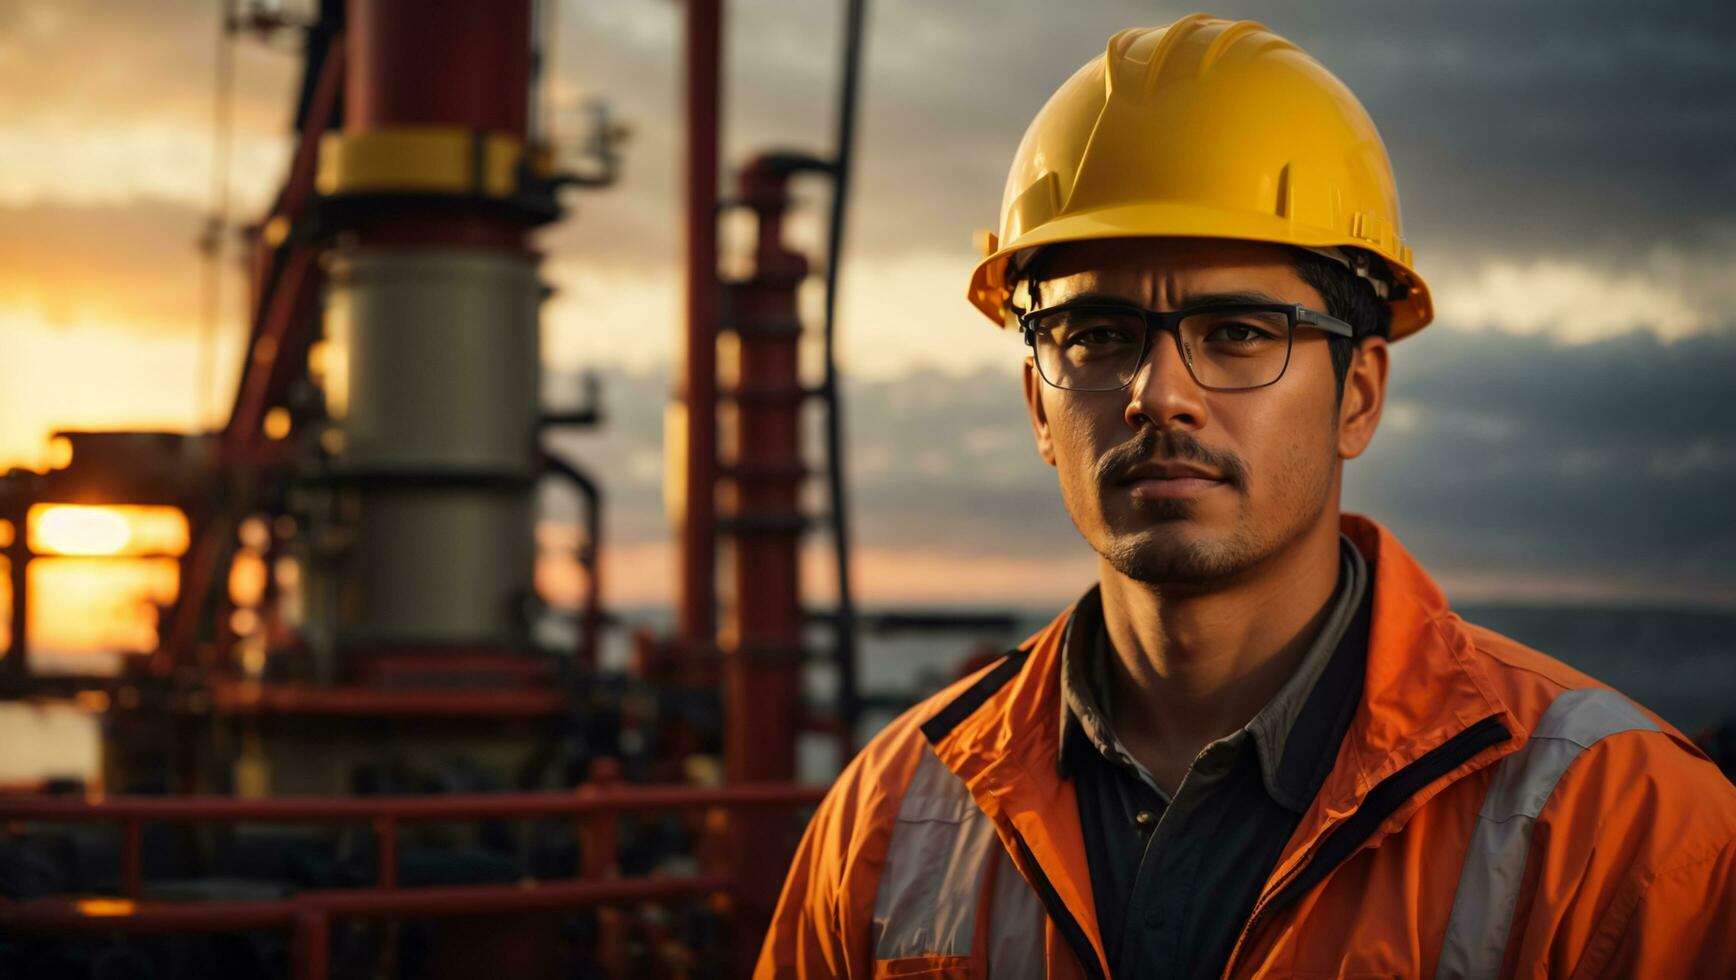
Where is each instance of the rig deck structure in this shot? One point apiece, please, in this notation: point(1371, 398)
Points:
point(349, 752)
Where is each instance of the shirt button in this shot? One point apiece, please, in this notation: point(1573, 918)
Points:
point(1145, 819)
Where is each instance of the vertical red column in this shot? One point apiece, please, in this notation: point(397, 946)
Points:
point(447, 63)
point(763, 473)
point(697, 595)
point(440, 63)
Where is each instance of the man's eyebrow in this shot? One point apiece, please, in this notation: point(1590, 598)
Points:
point(1237, 297)
point(1234, 297)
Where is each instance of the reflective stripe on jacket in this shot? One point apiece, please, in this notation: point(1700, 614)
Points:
point(1491, 812)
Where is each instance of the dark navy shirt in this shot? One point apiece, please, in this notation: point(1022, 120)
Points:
point(1175, 879)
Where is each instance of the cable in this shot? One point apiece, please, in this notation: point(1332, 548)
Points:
point(215, 236)
point(849, 699)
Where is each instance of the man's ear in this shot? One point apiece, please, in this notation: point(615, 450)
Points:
point(1039, 418)
point(1364, 395)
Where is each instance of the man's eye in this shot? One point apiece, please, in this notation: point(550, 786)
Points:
point(1098, 336)
point(1238, 333)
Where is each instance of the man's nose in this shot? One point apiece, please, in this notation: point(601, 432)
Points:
point(1163, 392)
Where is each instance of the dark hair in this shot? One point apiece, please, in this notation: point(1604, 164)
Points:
point(1349, 298)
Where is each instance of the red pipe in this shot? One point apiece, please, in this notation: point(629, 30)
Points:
point(55, 916)
point(697, 588)
point(132, 859)
point(764, 617)
point(405, 809)
point(312, 946)
point(386, 850)
point(322, 109)
point(263, 379)
point(252, 698)
point(270, 366)
point(764, 612)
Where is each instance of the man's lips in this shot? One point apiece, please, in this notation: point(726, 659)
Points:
point(1169, 480)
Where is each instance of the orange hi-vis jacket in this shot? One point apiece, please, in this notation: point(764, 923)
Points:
point(1491, 812)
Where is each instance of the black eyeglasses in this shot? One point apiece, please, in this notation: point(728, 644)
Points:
point(1099, 347)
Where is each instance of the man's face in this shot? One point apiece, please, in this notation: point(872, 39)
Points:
point(1270, 455)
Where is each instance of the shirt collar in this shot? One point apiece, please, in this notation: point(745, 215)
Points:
point(1289, 767)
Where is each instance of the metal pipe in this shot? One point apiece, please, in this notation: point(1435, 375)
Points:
point(312, 945)
point(283, 271)
point(386, 850)
point(845, 624)
point(697, 588)
point(132, 858)
point(592, 560)
point(309, 911)
point(254, 698)
point(763, 498)
point(406, 809)
point(762, 634)
point(16, 663)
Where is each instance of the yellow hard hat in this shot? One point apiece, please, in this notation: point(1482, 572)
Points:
point(1206, 128)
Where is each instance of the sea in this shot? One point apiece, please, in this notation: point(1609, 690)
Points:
point(1681, 663)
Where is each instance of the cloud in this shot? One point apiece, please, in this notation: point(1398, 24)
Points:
point(1523, 465)
point(132, 265)
point(1671, 294)
point(110, 102)
point(1545, 161)
point(70, 161)
point(1513, 466)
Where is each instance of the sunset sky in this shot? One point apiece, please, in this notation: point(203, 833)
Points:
point(1562, 431)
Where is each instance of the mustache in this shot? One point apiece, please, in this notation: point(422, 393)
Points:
point(1152, 445)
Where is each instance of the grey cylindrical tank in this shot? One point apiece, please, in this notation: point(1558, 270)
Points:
point(432, 385)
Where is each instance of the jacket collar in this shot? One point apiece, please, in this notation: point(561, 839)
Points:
point(1421, 687)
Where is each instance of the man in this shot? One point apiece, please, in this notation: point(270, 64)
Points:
point(1262, 744)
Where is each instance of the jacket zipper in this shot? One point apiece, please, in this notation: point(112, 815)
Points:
point(1058, 911)
point(1352, 834)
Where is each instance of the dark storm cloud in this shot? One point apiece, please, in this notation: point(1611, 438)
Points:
point(1610, 461)
point(1517, 131)
point(1543, 126)
point(1602, 468)
point(1586, 128)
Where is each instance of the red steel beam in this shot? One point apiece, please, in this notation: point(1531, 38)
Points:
point(287, 312)
point(263, 379)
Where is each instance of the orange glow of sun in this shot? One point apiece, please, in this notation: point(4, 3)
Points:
point(68, 530)
point(84, 530)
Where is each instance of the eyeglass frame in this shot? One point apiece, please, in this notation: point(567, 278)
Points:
point(1170, 322)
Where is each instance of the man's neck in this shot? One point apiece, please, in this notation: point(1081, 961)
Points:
point(1190, 668)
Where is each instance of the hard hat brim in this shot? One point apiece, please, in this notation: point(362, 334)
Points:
point(989, 291)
